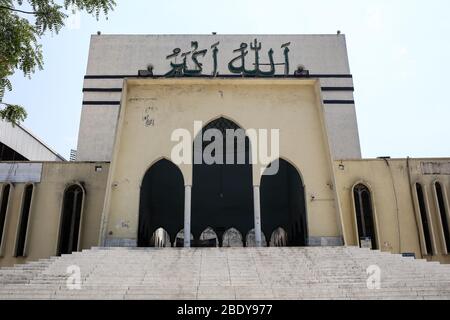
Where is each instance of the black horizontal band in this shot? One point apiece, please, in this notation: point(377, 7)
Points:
point(101, 103)
point(120, 89)
point(339, 101)
point(116, 103)
point(346, 76)
point(338, 89)
point(102, 89)
point(107, 76)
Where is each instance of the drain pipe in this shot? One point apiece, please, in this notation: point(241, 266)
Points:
point(411, 189)
point(396, 203)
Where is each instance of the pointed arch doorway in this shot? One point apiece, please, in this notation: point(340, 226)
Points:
point(283, 206)
point(71, 218)
point(222, 193)
point(161, 202)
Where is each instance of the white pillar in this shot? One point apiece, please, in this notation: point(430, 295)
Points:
point(187, 216)
point(257, 213)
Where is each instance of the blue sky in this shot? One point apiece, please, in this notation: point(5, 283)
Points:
point(398, 50)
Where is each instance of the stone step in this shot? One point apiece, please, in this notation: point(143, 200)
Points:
point(234, 273)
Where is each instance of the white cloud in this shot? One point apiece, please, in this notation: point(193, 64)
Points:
point(405, 65)
point(401, 53)
point(375, 19)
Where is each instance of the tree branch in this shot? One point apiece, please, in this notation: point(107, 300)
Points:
point(17, 10)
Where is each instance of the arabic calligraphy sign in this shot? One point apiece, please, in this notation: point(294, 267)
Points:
point(190, 63)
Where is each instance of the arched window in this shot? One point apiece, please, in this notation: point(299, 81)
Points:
point(279, 238)
point(424, 219)
point(250, 239)
point(364, 216)
point(4, 210)
point(23, 222)
point(71, 214)
point(232, 238)
point(208, 238)
point(443, 213)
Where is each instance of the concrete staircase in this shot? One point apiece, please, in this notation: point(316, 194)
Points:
point(232, 273)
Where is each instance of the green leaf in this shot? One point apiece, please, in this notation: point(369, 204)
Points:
point(13, 113)
point(22, 23)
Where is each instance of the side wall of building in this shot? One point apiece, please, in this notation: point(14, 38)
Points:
point(399, 227)
point(395, 204)
point(46, 207)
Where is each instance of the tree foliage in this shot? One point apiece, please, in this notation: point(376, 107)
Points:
point(22, 24)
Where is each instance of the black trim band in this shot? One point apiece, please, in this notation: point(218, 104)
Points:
point(343, 76)
point(101, 103)
point(338, 89)
point(339, 101)
point(120, 89)
point(117, 103)
point(346, 76)
point(107, 76)
point(102, 89)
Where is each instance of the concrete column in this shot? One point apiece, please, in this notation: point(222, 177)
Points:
point(257, 213)
point(187, 216)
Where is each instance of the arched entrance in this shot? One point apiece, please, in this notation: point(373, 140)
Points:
point(72, 210)
point(222, 190)
point(364, 215)
point(161, 202)
point(283, 204)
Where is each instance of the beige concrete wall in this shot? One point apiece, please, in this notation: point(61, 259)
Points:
point(44, 219)
point(394, 197)
point(325, 56)
point(293, 106)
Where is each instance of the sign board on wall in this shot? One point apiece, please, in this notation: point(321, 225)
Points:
point(435, 168)
point(20, 172)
